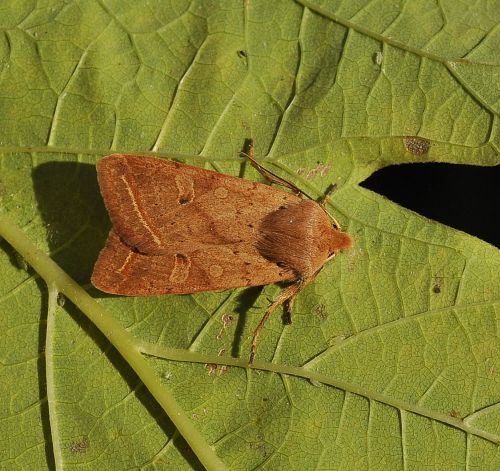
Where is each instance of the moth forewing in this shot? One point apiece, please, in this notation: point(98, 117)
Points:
point(216, 230)
point(180, 229)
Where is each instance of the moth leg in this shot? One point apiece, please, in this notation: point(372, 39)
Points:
point(286, 296)
point(289, 310)
point(267, 174)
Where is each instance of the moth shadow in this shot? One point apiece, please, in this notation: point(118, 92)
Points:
point(77, 225)
point(41, 367)
point(244, 303)
point(73, 213)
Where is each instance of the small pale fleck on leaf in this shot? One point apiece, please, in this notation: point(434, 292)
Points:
point(316, 383)
point(377, 57)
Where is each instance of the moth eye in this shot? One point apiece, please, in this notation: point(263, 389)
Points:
point(281, 264)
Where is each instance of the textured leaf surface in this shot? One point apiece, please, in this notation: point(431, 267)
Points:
point(392, 359)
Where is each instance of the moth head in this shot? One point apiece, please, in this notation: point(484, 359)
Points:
point(329, 240)
point(337, 240)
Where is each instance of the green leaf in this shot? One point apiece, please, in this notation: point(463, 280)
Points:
point(392, 358)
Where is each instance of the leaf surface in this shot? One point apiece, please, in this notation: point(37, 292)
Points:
point(392, 358)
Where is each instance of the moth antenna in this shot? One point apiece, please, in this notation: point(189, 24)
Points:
point(287, 295)
point(323, 200)
point(267, 174)
point(273, 178)
point(329, 191)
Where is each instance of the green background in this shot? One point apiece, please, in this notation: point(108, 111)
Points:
point(393, 357)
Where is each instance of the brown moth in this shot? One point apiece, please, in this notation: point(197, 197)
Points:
point(182, 229)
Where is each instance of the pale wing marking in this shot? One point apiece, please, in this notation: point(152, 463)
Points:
point(125, 263)
point(145, 224)
point(180, 272)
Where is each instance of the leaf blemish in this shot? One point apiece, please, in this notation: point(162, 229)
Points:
point(417, 145)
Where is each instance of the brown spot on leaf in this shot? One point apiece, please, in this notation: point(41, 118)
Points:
point(417, 145)
point(321, 311)
point(79, 446)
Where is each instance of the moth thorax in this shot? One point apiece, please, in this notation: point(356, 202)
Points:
point(299, 237)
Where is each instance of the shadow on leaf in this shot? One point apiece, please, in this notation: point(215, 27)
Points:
point(72, 209)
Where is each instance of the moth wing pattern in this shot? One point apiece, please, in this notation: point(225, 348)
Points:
point(120, 270)
point(181, 229)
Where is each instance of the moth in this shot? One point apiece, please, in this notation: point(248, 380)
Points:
point(180, 229)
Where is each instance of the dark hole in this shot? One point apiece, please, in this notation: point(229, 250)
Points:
point(281, 264)
point(184, 201)
point(461, 196)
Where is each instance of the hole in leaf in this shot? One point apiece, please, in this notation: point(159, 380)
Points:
point(461, 196)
